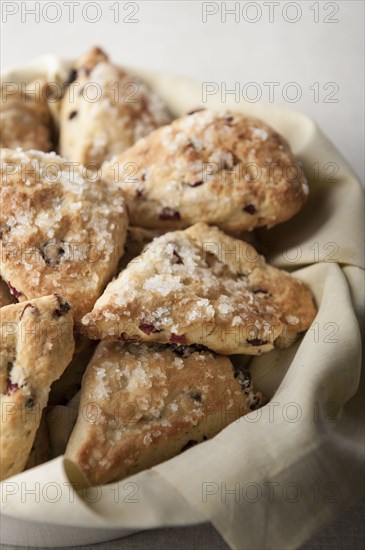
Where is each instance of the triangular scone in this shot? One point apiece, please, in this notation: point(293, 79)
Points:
point(25, 118)
point(224, 169)
point(62, 230)
point(105, 110)
point(200, 286)
point(142, 404)
point(36, 345)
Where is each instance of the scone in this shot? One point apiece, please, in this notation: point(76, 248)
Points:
point(200, 286)
point(36, 345)
point(25, 119)
point(224, 169)
point(61, 229)
point(105, 110)
point(141, 405)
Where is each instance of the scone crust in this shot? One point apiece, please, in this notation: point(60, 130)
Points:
point(36, 345)
point(61, 231)
point(200, 286)
point(141, 405)
point(124, 110)
point(224, 169)
point(25, 118)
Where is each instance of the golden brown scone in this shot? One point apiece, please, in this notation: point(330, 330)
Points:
point(6, 296)
point(200, 286)
point(224, 169)
point(61, 230)
point(36, 345)
point(105, 110)
point(141, 405)
point(41, 448)
point(25, 119)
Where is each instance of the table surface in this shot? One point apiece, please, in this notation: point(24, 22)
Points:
point(347, 533)
point(308, 58)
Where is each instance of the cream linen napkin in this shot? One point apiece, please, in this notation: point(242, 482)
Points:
point(273, 478)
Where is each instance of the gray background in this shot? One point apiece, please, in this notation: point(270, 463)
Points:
point(321, 52)
point(171, 36)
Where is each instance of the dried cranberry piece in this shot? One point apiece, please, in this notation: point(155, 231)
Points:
point(72, 115)
point(244, 377)
point(72, 75)
point(196, 111)
point(250, 209)
point(261, 291)
point(169, 214)
point(255, 403)
point(229, 118)
point(178, 338)
point(196, 184)
point(257, 342)
point(13, 290)
point(148, 328)
point(139, 193)
point(11, 388)
point(22, 313)
point(63, 308)
point(189, 145)
point(52, 252)
point(178, 257)
point(124, 336)
point(29, 403)
point(196, 395)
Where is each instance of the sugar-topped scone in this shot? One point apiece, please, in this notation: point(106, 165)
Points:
point(105, 110)
point(36, 345)
point(224, 169)
point(62, 229)
point(25, 119)
point(200, 286)
point(143, 404)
